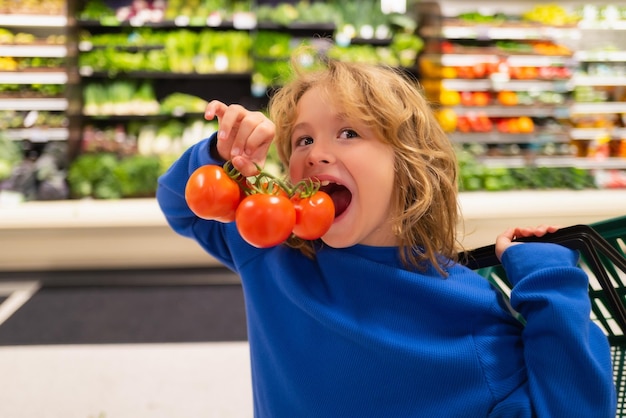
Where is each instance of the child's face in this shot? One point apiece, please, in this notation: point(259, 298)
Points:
point(359, 167)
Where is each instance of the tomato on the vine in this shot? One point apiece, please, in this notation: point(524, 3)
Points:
point(212, 194)
point(314, 215)
point(265, 220)
point(268, 187)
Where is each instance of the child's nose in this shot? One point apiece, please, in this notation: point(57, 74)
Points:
point(319, 154)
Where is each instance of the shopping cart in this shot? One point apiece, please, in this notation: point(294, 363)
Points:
point(602, 247)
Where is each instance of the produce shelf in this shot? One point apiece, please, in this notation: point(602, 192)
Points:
point(88, 72)
point(500, 138)
point(50, 104)
point(609, 163)
point(47, 51)
point(13, 20)
point(33, 77)
point(38, 134)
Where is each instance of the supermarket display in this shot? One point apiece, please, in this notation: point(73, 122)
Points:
point(33, 102)
point(526, 90)
point(135, 61)
point(513, 91)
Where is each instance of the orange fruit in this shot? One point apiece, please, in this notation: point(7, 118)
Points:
point(525, 125)
point(507, 98)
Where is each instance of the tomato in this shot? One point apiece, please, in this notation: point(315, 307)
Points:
point(211, 194)
point(265, 220)
point(314, 215)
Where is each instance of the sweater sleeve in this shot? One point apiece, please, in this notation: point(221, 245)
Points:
point(567, 355)
point(171, 199)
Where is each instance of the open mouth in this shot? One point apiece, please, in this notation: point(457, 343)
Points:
point(340, 195)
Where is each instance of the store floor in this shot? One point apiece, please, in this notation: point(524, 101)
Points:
point(123, 344)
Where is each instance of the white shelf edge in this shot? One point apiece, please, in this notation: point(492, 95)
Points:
point(38, 134)
point(44, 51)
point(44, 104)
point(27, 20)
point(596, 108)
point(33, 77)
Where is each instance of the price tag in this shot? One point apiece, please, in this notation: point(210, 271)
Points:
point(221, 62)
point(244, 21)
point(86, 71)
point(137, 21)
point(483, 33)
point(181, 21)
point(85, 46)
point(214, 19)
point(393, 6)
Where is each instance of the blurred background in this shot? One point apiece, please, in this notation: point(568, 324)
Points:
point(105, 312)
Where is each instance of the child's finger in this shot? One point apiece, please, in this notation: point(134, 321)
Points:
point(504, 241)
point(536, 231)
point(229, 122)
point(255, 133)
point(214, 109)
point(245, 166)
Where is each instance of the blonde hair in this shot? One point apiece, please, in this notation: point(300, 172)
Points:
point(424, 206)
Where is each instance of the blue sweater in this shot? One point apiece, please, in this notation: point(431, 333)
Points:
point(354, 334)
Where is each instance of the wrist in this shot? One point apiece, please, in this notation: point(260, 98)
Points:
point(213, 151)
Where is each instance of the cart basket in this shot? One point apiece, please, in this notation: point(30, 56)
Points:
point(602, 248)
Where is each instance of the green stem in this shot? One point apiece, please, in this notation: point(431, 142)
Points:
point(304, 188)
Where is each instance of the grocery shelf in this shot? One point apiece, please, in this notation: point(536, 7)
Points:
point(131, 233)
point(501, 138)
point(503, 32)
point(50, 104)
point(460, 60)
point(599, 81)
point(603, 25)
point(28, 20)
point(597, 133)
point(599, 107)
point(602, 56)
point(512, 85)
point(47, 51)
point(38, 134)
point(512, 111)
point(33, 77)
point(605, 163)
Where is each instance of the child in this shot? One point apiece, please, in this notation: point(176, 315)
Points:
point(377, 319)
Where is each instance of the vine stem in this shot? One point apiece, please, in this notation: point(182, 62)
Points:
point(303, 188)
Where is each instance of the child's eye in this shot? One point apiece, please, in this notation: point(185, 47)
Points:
point(303, 141)
point(348, 133)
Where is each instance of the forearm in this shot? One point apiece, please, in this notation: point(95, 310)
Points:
point(567, 356)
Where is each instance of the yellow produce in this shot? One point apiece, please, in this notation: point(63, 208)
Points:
point(449, 98)
point(447, 119)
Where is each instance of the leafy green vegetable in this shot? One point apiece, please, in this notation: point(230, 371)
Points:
point(10, 156)
point(107, 176)
point(137, 175)
point(180, 103)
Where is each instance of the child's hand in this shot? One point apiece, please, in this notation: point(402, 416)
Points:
point(505, 240)
point(244, 136)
